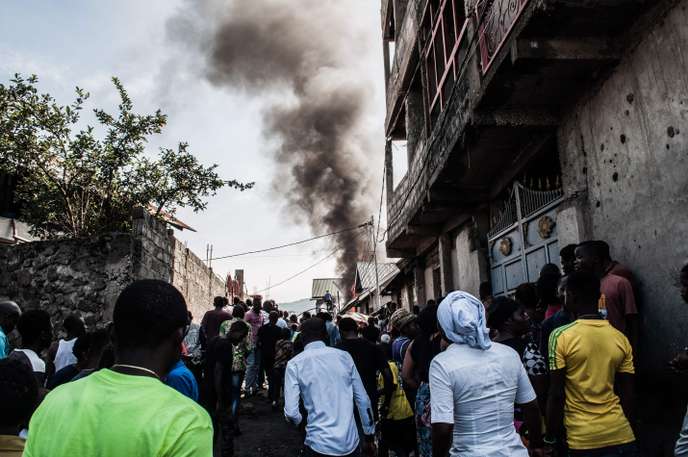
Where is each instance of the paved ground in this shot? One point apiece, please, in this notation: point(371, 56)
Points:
point(265, 433)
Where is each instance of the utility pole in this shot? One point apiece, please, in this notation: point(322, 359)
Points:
point(377, 274)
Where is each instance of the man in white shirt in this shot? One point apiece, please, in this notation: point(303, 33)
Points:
point(327, 380)
point(474, 385)
point(36, 331)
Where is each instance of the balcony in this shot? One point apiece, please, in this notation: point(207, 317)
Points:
point(495, 97)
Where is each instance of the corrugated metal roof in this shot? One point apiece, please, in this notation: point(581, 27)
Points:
point(14, 231)
point(322, 285)
point(366, 274)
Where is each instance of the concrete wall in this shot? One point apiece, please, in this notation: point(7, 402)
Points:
point(87, 275)
point(195, 280)
point(624, 156)
point(471, 262)
point(66, 276)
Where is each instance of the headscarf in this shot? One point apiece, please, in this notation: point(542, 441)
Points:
point(462, 317)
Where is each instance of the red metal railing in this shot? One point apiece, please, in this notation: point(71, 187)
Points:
point(444, 27)
point(495, 19)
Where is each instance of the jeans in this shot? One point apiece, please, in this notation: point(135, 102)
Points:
point(622, 450)
point(682, 443)
point(252, 366)
point(308, 452)
point(237, 380)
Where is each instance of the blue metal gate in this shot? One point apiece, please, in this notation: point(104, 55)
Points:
point(524, 238)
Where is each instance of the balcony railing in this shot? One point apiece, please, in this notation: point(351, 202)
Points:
point(444, 29)
point(495, 19)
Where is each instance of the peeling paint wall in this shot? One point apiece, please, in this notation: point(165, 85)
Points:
point(624, 152)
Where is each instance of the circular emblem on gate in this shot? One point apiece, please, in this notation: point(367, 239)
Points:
point(506, 246)
point(546, 227)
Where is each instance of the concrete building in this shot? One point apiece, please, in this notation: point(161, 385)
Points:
point(516, 127)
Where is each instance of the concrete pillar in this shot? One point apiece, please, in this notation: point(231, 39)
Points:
point(415, 120)
point(419, 282)
point(446, 273)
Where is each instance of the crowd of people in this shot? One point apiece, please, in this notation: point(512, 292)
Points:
point(548, 370)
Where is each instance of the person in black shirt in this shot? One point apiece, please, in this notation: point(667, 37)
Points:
point(268, 335)
point(218, 376)
point(369, 360)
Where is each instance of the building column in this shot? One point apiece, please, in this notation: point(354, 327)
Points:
point(446, 274)
point(419, 280)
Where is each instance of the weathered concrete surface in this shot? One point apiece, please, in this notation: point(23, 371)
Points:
point(87, 275)
point(626, 147)
point(195, 280)
point(82, 275)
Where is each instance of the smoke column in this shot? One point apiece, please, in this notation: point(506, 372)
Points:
point(304, 56)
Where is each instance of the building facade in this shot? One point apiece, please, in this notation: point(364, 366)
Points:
point(516, 127)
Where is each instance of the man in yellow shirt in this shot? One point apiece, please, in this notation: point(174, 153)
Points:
point(586, 359)
point(127, 410)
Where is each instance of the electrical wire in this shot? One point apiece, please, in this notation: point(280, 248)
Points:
point(300, 272)
point(295, 243)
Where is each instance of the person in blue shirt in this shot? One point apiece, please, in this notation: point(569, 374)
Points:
point(9, 316)
point(182, 380)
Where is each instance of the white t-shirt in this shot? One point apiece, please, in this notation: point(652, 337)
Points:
point(37, 364)
point(65, 355)
point(476, 390)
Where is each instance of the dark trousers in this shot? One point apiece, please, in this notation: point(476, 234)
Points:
point(308, 452)
point(273, 383)
point(223, 436)
point(622, 450)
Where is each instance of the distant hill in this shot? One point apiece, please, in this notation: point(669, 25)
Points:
point(298, 306)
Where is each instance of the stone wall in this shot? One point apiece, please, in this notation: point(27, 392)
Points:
point(87, 275)
point(624, 156)
point(82, 275)
point(195, 280)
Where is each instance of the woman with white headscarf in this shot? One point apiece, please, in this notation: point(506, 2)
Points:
point(474, 385)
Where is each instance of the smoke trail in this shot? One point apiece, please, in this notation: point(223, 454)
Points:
point(306, 53)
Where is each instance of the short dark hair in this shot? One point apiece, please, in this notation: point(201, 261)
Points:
point(347, 324)
point(502, 310)
point(147, 312)
point(238, 311)
point(273, 316)
point(32, 324)
point(485, 289)
point(526, 295)
point(236, 300)
point(18, 393)
point(90, 342)
point(596, 248)
point(568, 252)
point(219, 302)
point(74, 325)
point(427, 320)
point(550, 269)
point(313, 329)
point(685, 268)
point(603, 249)
point(585, 285)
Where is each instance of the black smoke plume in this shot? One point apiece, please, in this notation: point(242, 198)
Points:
point(302, 54)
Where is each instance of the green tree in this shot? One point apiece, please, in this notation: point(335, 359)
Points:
point(71, 183)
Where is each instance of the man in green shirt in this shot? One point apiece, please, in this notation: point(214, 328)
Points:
point(127, 410)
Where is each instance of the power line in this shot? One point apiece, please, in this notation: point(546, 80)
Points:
point(295, 243)
point(301, 272)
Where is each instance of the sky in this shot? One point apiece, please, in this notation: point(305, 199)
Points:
point(84, 43)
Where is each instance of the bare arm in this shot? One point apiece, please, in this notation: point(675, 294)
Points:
point(532, 418)
point(441, 439)
point(555, 403)
point(626, 387)
point(408, 370)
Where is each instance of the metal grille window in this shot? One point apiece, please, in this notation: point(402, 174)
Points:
point(444, 27)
